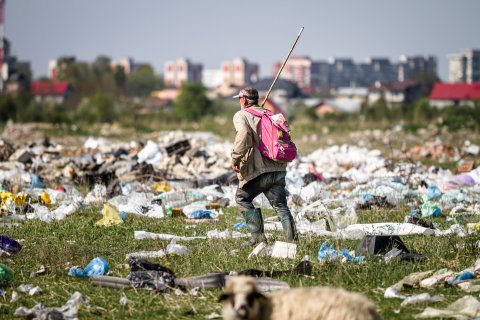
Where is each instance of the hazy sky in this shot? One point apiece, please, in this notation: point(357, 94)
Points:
point(211, 31)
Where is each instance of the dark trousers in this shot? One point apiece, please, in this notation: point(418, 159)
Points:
point(272, 184)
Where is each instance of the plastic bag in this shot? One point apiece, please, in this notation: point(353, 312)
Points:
point(327, 253)
point(110, 216)
point(97, 267)
point(6, 273)
point(9, 245)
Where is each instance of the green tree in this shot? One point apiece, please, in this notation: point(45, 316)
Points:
point(120, 78)
point(378, 111)
point(101, 66)
point(56, 113)
point(100, 108)
point(192, 102)
point(423, 112)
point(8, 108)
point(458, 117)
point(29, 109)
point(143, 81)
point(427, 80)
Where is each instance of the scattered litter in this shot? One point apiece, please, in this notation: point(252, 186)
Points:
point(110, 216)
point(326, 253)
point(6, 273)
point(14, 297)
point(68, 311)
point(422, 298)
point(98, 266)
point(284, 250)
point(123, 301)
point(29, 288)
point(466, 307)
point(391, 292)
point(9, 246)
point(142, 235)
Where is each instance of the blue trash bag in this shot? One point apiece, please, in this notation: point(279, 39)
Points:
point(202, 214)
point(240, 225)
point(460, 278)
point(351, 258)
point(37, 183)
point(327, 253)
point(367, 197)
point(433, 193)
point(96, 267)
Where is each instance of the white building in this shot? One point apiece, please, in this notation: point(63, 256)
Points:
point(464, 66)
point(212, 78)
point(239, 72)
point(178, 72)
point(127, 64)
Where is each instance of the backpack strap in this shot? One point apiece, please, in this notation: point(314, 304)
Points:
point(258, 114)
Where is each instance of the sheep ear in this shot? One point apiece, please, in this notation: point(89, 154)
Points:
point(223, 297)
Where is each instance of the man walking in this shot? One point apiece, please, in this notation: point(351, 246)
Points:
point(257, 173)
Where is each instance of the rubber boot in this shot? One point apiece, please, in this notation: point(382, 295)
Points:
point(254, 221)
point(289, 229)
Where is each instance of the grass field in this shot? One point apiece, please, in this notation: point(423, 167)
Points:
point(76, 240)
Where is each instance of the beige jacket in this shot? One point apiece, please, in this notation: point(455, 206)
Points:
point(245, 153)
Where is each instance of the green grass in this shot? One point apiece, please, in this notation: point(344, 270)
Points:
point(76, 240)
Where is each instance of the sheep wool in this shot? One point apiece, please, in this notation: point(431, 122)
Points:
point(242, 301)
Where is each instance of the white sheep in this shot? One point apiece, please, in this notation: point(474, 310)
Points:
point(242, 301)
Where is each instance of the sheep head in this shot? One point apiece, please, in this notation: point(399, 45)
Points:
point(241, 299)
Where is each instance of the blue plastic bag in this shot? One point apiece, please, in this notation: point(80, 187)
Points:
point(96, 267)
point(36, 183)
point(327, 253)
point(367, 197)
point(202, 214)
point(460, 278)
point(433, 193)
point(240, 225)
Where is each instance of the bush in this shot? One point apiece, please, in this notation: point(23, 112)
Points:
point(100, 108)
point(192, 103)
point(458, 117)
point(8, 108)
point(378, 111)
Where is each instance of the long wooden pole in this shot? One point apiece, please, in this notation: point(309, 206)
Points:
point(283, 65)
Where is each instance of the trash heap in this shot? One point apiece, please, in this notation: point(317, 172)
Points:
point(188, 175)
point(171, 172)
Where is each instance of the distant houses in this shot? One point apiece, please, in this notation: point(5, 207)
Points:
point(395, 94)
point(333, 85)
point(453, 94)
point(53, 92)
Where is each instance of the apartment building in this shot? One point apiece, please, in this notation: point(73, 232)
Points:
point(344, 72)
point(381, 70)
point(464, 66)
point(239, 72)
point(182, 70)
point(128, 65)
point(410, 66)
point(307, 74)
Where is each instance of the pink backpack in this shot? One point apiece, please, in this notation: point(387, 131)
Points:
point(275, 141)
